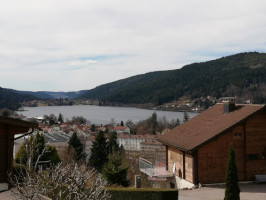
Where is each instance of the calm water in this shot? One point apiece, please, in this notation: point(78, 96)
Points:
point(101, 114)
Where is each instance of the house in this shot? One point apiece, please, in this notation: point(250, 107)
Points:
point(197, 150)
point(132, 142)
point(8, 128)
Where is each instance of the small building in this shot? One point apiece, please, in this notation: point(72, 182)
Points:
point(132, 142)
point(197, 150)
point(8, 128)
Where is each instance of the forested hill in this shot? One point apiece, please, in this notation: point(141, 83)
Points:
point(12, 100)
point(242, 75)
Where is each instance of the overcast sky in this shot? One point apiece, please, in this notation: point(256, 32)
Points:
point(63, 45)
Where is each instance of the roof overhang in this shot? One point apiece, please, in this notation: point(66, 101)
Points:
point(18, 122)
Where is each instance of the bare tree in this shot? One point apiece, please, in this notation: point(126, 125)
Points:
point(62, 181)
point(70, 181)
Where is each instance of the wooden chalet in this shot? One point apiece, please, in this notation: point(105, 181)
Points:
point(197, 150)
point(8, 128)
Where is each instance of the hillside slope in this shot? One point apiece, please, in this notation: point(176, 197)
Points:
point(12, 100)
point(242, 75)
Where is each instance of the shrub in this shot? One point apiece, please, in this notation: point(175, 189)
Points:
point(142, 194)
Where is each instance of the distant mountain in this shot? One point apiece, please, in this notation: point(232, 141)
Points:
point(51, 95)
point(242, 75)
point(12, 100)
point(69, 95)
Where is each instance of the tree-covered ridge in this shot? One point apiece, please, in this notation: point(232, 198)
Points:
point(12, 100)
point(242, 75)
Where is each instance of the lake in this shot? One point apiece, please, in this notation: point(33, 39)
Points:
point(101, 114)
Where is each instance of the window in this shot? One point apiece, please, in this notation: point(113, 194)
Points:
point(237, 136)
point(253, 156)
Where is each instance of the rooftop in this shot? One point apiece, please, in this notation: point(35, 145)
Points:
point(207, 125)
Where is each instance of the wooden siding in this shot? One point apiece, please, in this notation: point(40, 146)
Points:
point(3, 152)
point(6, 148)
point(256, 144)
point(178, 157)
point(248, 139)
point(212, 158)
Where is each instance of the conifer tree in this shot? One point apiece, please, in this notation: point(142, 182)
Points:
point(75, 143)
point(115, 171)
point(232, 191)
point(186, 117)
point(93, 128)
point(60, 118)
point(112, 144)
point(99, 152)
point(177, 122)
point(33, 148)
point(154, 122)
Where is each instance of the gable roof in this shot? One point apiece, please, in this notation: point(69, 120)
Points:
point(207, 125)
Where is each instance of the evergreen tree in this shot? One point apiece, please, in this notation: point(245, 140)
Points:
point(99, 152)
point(34, 148)
point(60, 118)
point(122, 123)
point(39, 145)
point(115, 171)
point(177, 122)
point(93, 128)
point(232, 191)
point(186, 117)
point(75, 143)
point(112, 144)
point(154, 123)
point(22, 155)
point(53, 154)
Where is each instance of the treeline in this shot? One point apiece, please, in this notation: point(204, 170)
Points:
point(242, 75)
point(12, 100)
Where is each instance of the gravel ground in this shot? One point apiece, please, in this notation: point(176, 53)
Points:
point(248, 192)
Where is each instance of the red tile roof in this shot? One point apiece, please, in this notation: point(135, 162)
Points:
point(207, 125)
point(119, 128)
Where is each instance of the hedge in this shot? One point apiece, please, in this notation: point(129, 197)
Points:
point(143, 194)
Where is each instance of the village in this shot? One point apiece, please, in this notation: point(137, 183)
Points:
point(58, 135)
point(190, 156)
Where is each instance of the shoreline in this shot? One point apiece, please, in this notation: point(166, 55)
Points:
point(121, 106)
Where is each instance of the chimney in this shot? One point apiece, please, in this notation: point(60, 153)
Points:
point(229, 104)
